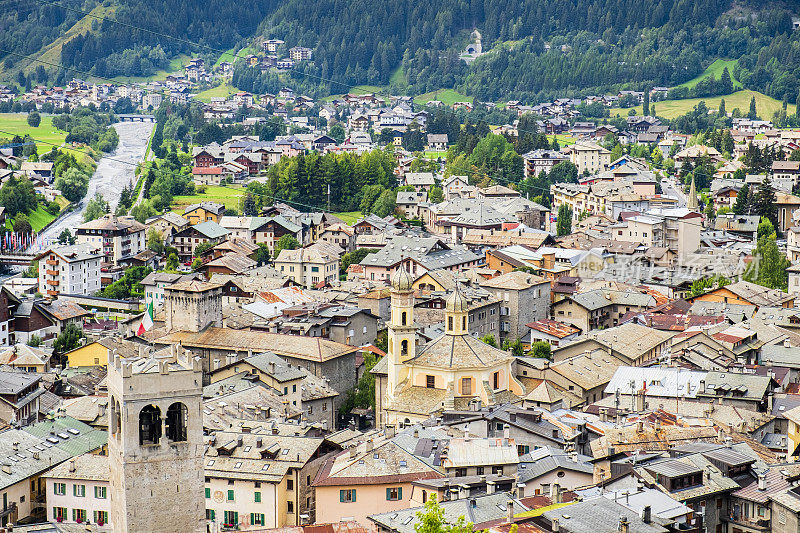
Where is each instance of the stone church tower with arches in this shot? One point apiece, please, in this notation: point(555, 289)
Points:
point(155, 442)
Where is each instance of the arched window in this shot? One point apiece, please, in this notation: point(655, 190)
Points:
point(403, 318)
point(404, 348)
point(119, 417)
point(149, 425)
point(407, 423)
point(176, 422)
point(449, 323)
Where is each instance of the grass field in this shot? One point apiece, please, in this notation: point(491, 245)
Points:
point(228, 196)
point(446, 96)
point(38, 219)
point(17, 124)
point(222, 91)
point(349, 217)
point(715, 69)
point(176, 64)
point(431, 154)
point(231, 55)
point(765, 106)
point(565, 140)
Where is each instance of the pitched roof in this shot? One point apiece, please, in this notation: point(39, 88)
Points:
point(298, 347)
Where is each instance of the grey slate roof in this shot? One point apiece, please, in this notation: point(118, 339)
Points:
point(599, 514)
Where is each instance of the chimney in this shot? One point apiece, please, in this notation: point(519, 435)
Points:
point(72, 465)
point(369, 445)
point(603, 414)
point(762, 481)
point(623, 524)
point(555, 493)
point(416, 433)
point(491, 487)
point(554, 525)
point(512, 417)
point(510, 509)
point(647, 514)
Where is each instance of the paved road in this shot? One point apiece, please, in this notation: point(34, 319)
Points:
point(671, 188)
point(112, 174)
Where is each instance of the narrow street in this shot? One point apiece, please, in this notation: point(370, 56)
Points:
point(112, 174)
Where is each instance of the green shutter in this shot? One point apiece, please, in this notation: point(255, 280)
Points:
point(388, 494)
point(263, 521)
point(230, 495)
point(354, 495)
point(212, 514)
point(258, 497)
point(252, 518)
point(341, 496)
point(208, 492)
point(399, 493)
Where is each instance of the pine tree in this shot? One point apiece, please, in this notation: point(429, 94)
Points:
point(646, 104)
point(752, 114)
point(722, 112)
point(725, 82)
point(742, 200)
point(764, 202)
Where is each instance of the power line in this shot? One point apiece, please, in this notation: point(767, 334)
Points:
point(58, 65)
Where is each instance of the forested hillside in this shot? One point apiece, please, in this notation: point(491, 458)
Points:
point(536, 49)
point(106, 48)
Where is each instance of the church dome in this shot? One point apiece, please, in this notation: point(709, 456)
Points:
point(456, 303)
point(401, 280)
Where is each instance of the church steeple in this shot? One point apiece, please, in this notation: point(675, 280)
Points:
point(456, 310)
point(691, 202)
point(401, 331)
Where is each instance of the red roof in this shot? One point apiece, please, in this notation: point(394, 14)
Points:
point(206, 171)
point(554, 328)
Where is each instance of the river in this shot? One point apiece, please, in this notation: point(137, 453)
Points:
point(112, 174)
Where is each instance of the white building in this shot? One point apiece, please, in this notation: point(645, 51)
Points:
point(152, 101)
point(70, 270)
point(77, 490)
point(119, 238)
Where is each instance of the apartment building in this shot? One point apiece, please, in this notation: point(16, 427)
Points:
point(311, 265)
point(69, 270)
point(588, 157)
point(78, 490)
point(118, 238)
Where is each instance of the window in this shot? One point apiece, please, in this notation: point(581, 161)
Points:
point(79, 515)
point(499, 425)
point(60, 489)
point(210, 514)
point(394, 494)
point(289, 506)
point(479, 471)
point(230, 495)
point(208, 492)
point(347, 496)
point(496, 382)
point(466, 386)
point(257, 497)
point(100, 493)
point(231, 518)
point(289, 484)
point(461, 472)
point(497, 470)
point(100, 517)
point(430, 382)
point(59, 513)
point(257, 519)
point(324, 406)
point(149, 425)
point(79, 490)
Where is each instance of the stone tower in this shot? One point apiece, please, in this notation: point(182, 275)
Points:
point(155, 441)
point(193, 305)
point(691, 200)
point(401, 332)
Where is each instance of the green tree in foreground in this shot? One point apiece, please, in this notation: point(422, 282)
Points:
point(542, 349)
point(34, 119)
point(432, 520)
point(564, 221)
point(490, 340)
point(68, 339)
point(286, 242)
point(95, 208)
point(769, 265)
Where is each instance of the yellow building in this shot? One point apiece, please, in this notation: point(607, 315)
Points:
point(793, 432)
point(204, 212)
point(96, 353)
point(449, 372)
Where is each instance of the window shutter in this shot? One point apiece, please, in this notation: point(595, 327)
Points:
point(399, 493)
point(252, 518)
point(341, 496)
point(354, 495)
point(388, 494)
point(213, 514)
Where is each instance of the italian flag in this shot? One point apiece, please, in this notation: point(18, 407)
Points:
point(147, 320)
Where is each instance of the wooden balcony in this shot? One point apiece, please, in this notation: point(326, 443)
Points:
point(52, 262)
point(53, 282)
point(51, 272)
